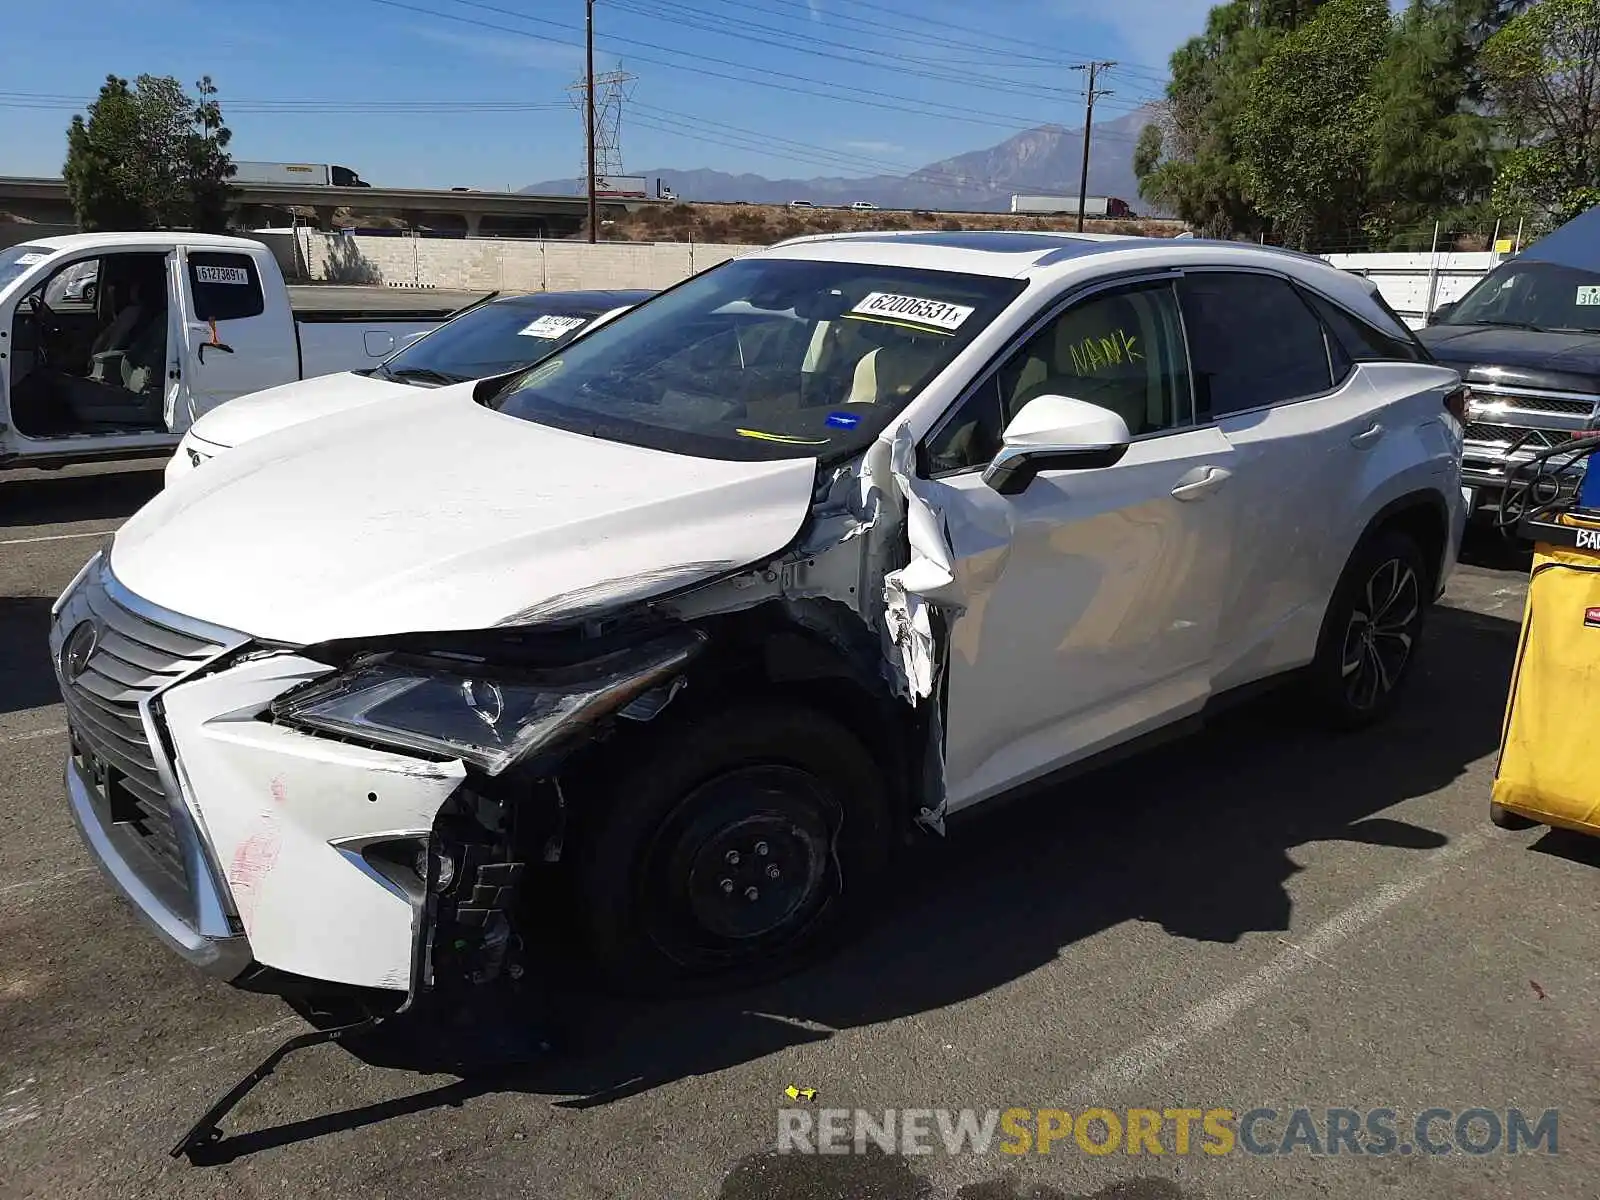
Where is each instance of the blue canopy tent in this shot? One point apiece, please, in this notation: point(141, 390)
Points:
point(1575, 244)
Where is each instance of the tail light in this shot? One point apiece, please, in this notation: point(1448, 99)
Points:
point(1456, 403)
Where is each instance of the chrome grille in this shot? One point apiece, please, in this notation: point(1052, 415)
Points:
point(1478, 431)
point(107, 690)
point(1552, 404)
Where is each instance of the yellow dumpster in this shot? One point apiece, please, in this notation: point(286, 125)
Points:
point(1548, 772)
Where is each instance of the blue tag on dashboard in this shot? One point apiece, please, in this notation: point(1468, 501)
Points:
point(842, 420)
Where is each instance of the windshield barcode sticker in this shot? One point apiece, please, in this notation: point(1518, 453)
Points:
point(1589, 295)
point(913, 310)
point(550, 326)
point(233, 275)
point(27, 260)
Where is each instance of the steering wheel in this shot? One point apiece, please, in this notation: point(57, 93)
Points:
point(46, 325)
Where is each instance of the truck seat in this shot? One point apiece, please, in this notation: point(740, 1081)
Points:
point(133, 397)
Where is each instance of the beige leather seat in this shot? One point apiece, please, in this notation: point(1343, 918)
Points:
point(887, 375)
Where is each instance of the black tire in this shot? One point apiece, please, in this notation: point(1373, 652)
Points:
point(732, 851)
point(1372, 630)
point(1503, 818)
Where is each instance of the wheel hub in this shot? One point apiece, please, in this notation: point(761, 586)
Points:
point(750, 875)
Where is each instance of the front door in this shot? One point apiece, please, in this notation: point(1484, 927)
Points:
point(1092, 600)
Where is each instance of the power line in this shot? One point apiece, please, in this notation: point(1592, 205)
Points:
point(969, 31)
point(62, 102)
point(896, 101)
point(684, 16)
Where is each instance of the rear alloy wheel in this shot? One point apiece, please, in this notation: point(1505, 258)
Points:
point(733, 850)
point(1381, 633)
point(1372, 630)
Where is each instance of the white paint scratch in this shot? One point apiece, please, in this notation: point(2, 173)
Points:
point(1221, 1009)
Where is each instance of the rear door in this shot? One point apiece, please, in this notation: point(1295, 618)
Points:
point(1298, 416)
point(230, 340)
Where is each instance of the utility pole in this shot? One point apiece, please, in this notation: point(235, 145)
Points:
point(1090, 94)
point(589, 123)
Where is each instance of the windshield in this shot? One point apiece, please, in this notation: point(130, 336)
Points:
point(14, 260)
point(763, 358)
point(1533, 295)
point(488, 340)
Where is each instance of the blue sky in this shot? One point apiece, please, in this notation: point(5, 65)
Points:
point(444, 93)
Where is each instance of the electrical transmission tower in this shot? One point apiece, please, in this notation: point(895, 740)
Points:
point(611, 90)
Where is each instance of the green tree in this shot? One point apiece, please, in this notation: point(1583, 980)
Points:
point(1306, 132)
point(149, 157)
point(1147, 151)
point(208, 163)
point(102, 177)
point(1199, 176)
point(1431, 151)
point(1543, 71)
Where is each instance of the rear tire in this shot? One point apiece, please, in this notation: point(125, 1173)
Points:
point(733, 851)
point(1372, 631)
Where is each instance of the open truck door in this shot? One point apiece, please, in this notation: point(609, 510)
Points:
point(228, 341)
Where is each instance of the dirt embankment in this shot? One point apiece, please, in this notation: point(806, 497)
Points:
point(763, 224)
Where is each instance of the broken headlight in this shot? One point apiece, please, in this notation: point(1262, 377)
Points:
point(470, 710)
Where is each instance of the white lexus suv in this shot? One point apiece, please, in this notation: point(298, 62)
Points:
point(695, 619)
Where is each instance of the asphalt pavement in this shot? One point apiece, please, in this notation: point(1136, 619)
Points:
point(1263, 916)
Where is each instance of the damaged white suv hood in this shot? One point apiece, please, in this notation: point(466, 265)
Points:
point(434, 513)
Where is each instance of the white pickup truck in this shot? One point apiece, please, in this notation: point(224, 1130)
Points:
point(113, 344)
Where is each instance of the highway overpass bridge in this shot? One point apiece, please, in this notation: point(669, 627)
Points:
point(471, 213)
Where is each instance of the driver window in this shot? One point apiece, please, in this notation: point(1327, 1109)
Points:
point(1121, 349)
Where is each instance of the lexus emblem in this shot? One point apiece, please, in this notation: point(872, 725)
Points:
point(79, 647)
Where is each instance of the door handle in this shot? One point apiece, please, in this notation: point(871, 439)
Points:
point(1200, 483)
point(1367, 437)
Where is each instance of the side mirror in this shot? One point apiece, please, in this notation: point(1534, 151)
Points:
point(1440, 313)
point(1056, 433)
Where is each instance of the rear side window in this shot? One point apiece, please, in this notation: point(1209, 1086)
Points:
point(1252, 343)
point(225, 287)
point(1361, 341)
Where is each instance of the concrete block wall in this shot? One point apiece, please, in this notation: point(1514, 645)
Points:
point(486, 264)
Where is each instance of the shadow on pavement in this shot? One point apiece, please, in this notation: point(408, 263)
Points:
point(1196, 838)
point(27, 679)
point(58, 499)
point(1572, 846)
point(1485, 546)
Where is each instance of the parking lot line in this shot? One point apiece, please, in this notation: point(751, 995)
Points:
point(29, 885)
point(57, 537)
point(1220, 1010)
point(7, 738)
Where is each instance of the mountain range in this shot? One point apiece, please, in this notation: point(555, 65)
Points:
point(1045, 160)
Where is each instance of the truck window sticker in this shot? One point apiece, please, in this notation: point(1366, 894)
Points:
point(1589, 294)
point(27, 260)
point(237, 276)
